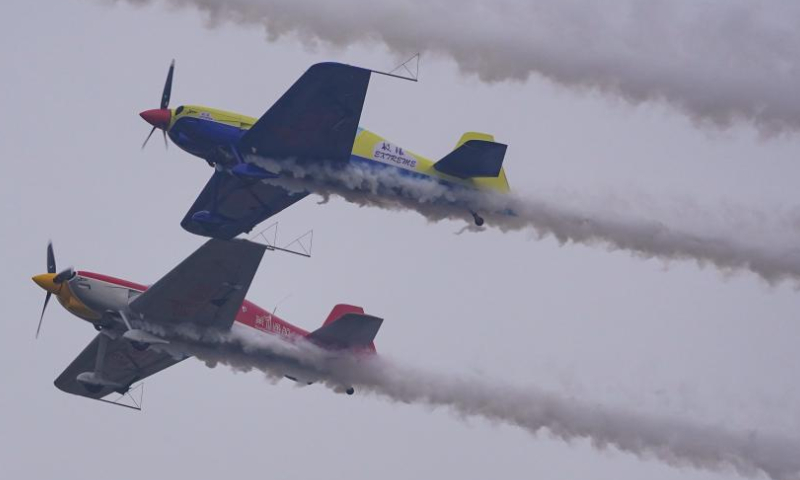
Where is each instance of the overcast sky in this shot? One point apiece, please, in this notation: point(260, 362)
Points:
point(602, 326)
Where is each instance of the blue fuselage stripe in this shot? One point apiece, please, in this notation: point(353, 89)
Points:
point(213, 141)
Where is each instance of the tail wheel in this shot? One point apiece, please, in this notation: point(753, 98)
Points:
point(478, 219)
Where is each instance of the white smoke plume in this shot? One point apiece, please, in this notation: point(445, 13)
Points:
point(389, 189)
point(675, 442)
point(718, 61)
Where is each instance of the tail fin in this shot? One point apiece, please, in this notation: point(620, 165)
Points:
point(341, 309)
point(476, 155)
point(347, 327)
point(474, 136)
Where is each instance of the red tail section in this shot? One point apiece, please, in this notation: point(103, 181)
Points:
point(340, 310)
point(347, 327)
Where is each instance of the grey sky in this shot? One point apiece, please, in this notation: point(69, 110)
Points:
point(717, 62)
point(579, 321)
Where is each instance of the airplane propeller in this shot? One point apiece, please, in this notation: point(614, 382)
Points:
point(160, 117)
point(57, 279)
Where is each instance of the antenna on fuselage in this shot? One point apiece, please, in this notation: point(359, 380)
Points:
point(410, 74)
point(275, 309)
point(304, 242)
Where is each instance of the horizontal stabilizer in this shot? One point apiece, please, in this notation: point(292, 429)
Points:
point(476, 155)
point(349, 331)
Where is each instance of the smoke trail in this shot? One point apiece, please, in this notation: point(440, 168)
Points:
point(675, 442)
point(718, 62)
point(387, 188)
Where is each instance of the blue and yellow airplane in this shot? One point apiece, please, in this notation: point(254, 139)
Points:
point(315, 122)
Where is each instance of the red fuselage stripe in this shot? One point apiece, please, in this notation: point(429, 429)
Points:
point(114, 280)
point(254, 316)
point(249, 314)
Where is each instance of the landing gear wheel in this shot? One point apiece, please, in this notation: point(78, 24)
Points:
point(98, 327)
point(350, 391)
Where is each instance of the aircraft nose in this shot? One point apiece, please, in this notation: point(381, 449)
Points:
point(158, 117)
point(45, 280)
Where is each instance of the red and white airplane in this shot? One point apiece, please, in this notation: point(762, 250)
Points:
point(205, 292)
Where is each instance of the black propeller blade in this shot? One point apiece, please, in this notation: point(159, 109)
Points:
point(148, 137)
point(51, 268)
point(62, 277)
point(168, 86)
point(51, 258)
point(41, 317)
point(165, 96)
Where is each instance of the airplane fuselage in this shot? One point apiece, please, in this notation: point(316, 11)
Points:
point(102, 293)
point(212, 135)
point(104, 301)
